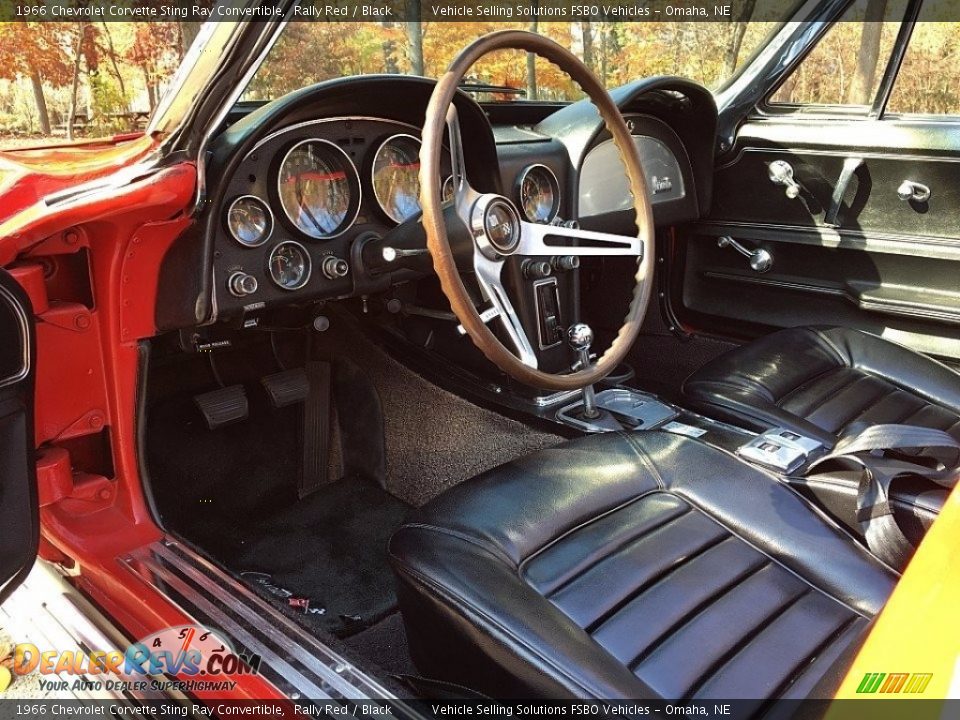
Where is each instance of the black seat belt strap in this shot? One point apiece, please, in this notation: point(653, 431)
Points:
point(865, 452)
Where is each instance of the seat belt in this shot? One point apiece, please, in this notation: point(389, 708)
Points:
point(877, 453)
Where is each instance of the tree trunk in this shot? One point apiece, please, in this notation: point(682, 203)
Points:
point(586, 29)
point(112, 54)
point(732, 56)
point(414, 30)
point(77, 55)
point(604, 51)
point(42, 112)
point(151, 90)
point(861, 85)
point(532, 69)
point(389, 48)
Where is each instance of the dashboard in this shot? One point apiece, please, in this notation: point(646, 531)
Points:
point(315, 196)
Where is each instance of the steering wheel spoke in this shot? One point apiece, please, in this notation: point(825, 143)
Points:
point(535, 240)
point(463, 193)
point(488, 275)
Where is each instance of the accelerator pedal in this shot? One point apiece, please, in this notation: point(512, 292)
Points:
point(316, 428)
point(224, 406)
point(287, 387)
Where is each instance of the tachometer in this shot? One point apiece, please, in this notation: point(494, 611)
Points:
point(319, 188)
point(396, 177)
point(539, 193)
point(289, 265)
point(250, 221)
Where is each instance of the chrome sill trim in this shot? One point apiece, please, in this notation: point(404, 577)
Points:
point(297, 663)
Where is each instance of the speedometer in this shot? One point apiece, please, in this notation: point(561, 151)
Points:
point(319, 188)
point(396, 177)
point(539, 193)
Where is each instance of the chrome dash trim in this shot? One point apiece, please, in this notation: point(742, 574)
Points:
point(297, 663)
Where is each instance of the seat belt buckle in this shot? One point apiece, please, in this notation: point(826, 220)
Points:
point(779, 449)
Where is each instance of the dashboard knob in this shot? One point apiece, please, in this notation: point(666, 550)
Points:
point(334, 268)
point(565, 262)
point(241, 284)
point(536, 269)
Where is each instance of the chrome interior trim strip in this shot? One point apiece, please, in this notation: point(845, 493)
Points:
point(321, 121)
point(309, 668)
point(237, 632)
point(24, 323)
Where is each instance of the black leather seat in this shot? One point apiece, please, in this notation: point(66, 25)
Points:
point(637, 566)
point(819, 380)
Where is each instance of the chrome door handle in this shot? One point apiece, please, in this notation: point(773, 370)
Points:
point(760, 260)
point(910, 190)
point(781, 173)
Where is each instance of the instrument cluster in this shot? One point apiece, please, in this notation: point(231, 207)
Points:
point(303, 195)
point(306, 197)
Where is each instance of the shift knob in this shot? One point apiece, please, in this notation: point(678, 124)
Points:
point(580, 336)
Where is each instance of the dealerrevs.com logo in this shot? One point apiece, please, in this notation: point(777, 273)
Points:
point(894, 683)
point(200, 658)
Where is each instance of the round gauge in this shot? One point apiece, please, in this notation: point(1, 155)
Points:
point(396, 177)
point(449, 190)
point(319, 188)
point(539, 193)
point(289, 265)
point(250, 221)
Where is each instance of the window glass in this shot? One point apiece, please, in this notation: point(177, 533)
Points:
point(929, 79)
point(846, 66)
point(617, 52)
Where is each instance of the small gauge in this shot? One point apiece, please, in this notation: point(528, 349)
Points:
point(319, 188)
point(250, 221)
point(289, 265)
point(396, 177)
point(539, 193)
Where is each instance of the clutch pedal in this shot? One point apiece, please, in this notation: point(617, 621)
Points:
point(224, 406)
point(287, 387)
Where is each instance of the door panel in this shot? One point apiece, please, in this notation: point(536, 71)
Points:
point(859, 256)
point(19, 526)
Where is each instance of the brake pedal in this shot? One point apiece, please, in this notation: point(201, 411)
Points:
point(287, 387)
point(224, 406)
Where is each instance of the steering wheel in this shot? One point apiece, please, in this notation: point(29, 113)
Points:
point(498, 232)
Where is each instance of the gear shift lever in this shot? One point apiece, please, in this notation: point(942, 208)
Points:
point(580, 337)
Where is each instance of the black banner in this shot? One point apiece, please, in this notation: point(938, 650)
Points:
point(889, 708)
point(401, 10)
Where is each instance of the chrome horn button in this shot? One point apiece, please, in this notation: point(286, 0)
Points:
point(496, 226)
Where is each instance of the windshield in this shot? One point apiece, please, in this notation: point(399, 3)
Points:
point(617, 52)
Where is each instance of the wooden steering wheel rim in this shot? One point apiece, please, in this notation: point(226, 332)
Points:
point(444, 263)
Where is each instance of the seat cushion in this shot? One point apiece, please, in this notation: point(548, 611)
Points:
point(632, 566)
point(819, 380)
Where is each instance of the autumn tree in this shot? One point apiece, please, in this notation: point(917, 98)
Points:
point(154, 52)
point(33, 50)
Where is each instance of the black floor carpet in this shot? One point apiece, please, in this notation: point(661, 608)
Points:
point(385, 643)
point(323, 561)
point(233, 492)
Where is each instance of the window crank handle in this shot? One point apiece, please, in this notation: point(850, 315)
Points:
point(781, 173)
point(760, 260)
